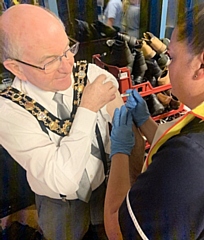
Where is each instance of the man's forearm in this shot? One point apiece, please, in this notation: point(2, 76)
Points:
point(110, 22)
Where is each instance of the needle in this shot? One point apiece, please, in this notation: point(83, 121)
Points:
point(125, 94)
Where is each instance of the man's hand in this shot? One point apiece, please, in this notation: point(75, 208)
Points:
point(138, 107)
point(122, 136)
point(98, 93)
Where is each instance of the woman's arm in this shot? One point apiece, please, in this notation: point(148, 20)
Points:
point(149, 129)
point(118, 186)
point(141, 115)
point(122, 142)
point(136, 160)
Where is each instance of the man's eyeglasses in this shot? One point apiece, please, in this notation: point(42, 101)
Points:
point(55, 63)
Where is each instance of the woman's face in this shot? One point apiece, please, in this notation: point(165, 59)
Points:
point(182, 69)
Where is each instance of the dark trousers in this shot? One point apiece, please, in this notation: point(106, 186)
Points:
point(73, 219)
point(96, 232)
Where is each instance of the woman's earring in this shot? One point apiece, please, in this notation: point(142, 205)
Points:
point(195, 76)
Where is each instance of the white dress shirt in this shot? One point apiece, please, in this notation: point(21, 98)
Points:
point(54, 165)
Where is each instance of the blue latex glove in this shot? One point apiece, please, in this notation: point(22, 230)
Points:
point(122, 136)
point(138, 107)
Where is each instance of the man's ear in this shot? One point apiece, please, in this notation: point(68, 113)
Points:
point(15, 68)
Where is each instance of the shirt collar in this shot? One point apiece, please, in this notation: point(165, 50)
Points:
point(38, 94)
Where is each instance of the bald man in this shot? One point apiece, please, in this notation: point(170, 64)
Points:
point(38, 52)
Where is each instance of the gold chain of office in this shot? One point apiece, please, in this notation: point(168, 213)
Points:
point(61, 127)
